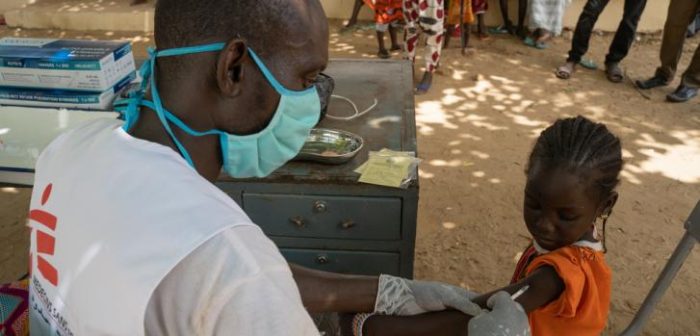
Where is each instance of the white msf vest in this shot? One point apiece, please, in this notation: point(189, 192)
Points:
point(110, 216)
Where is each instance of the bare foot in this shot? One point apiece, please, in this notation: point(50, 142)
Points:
point(395, 47)
point(383, 54)
point(137, 2)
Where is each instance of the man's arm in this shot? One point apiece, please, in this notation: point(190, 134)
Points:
point(446, 323)
point(325, 292)
point(389, 295)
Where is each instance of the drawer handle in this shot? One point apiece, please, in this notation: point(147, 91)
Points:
point(298, 221)
point(348, 224)
point(320, 206)
point(322, 259)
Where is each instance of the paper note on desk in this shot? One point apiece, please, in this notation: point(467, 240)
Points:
point(384, 152)
point(388, 168)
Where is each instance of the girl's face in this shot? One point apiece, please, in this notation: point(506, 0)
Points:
point(560, 208)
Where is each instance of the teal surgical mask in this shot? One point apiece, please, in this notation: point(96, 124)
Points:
point(255, 155)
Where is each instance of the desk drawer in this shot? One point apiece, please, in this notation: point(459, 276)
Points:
point(349, 262)
point(335, 217)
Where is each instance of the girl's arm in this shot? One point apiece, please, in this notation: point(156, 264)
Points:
point(545, 287)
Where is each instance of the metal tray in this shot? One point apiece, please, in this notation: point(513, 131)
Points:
point(330, 146)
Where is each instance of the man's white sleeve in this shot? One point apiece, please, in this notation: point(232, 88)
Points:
point(237, 283)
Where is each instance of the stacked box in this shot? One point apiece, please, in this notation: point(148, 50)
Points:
point(63, 73)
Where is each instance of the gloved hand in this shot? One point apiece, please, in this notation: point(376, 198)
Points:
point(398, 296)
point(506, 318)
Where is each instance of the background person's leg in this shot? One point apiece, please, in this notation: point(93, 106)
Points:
point(624, 36)
point(691, 77)
point(355, 13)
point(412, 35)
point(584, 28)
point(504, 13)
point(680, 14)
point(433, 52)
point(395, 45)
point(522, 10)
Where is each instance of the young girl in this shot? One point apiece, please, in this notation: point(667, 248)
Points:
point(457, 23)
point(569, 195)
point(387, 14)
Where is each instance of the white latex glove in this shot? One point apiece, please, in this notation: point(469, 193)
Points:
point(506, 318)
point(403, 297)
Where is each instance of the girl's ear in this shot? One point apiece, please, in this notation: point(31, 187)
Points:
point(608, 204)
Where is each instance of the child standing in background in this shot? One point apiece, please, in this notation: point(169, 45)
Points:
point(387, 14)
point(462, 23)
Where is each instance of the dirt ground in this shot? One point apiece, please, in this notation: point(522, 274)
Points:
point(476, 128)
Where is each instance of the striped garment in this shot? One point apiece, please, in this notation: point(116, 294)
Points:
point(547, 14)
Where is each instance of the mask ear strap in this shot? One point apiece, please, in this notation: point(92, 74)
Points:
point(160, 112)
point(273, 80)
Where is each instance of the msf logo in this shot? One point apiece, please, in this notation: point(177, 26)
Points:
point(45, 241)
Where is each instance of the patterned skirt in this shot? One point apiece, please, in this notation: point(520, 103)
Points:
point(453, 12)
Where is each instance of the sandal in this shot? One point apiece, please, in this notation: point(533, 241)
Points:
point(614, 72)
point(500, 30)
point(588, 64)
point(422, 89)
point(529, 41)
point(565, 71)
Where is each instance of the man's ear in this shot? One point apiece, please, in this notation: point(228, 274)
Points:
point(608, 204)
point(229, 67)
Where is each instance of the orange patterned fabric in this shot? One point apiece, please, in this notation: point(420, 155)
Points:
point(385, 11)
point(582, 308)
point(453, 12)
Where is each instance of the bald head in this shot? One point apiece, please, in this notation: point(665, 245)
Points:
point(263, 23)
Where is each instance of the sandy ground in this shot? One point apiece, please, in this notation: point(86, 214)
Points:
point(476, 128)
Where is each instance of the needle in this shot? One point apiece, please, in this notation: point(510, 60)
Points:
point(520, 292)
